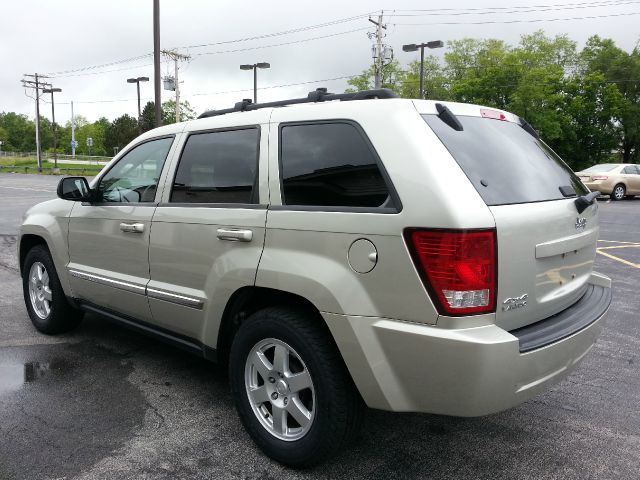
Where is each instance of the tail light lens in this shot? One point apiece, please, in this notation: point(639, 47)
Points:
point(599, 177)
point(457, 267)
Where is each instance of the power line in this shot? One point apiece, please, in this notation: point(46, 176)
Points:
point(505, 12)
point(284, 32)
point(512, 7)
point(92, 67)
point(303, 40)
point(223, 92)
point(539, 20)
point(244, 49)
point(246, 39)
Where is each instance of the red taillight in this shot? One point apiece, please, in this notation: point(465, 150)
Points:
point(458, 268)
point(599, 177)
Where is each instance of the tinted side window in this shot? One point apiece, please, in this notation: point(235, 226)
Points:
point(330, 164)
point(218, 167)
point(135, 177)
point(630, 169)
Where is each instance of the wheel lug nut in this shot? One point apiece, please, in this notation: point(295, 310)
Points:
point(274, 396)
point(272, 380)
point(286, 400)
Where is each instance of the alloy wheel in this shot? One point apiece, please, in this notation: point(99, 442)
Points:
point(280, 389)
point(39, 290)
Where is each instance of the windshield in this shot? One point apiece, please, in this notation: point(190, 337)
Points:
point(603, 167)
point(504, 163)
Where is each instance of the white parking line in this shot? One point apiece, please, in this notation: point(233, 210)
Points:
point(29, 188)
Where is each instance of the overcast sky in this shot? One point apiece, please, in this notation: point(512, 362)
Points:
point(68, 35)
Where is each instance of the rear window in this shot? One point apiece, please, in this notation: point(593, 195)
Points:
point(603, 167)
point(504, 163)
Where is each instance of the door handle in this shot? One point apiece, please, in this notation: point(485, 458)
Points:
point(235, 235)
point(132, 227)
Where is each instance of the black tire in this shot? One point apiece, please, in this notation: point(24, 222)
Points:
point(338, 406)
point(61, 316)
point(618, 192)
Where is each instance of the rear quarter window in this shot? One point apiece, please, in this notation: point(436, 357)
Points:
point(504, 163)
point(330, 164)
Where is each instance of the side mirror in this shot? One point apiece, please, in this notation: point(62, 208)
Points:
point(75, 189)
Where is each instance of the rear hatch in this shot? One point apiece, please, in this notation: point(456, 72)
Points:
point(546, 249)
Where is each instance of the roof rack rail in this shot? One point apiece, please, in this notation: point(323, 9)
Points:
point(318, 95)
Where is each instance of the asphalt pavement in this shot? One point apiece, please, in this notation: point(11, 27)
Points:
point(105, 403)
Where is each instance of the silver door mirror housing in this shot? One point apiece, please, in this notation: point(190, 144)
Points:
point(75, 189)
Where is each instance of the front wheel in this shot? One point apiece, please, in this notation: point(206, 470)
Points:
point(618, 192)
point(46, 303)
point(291, 388)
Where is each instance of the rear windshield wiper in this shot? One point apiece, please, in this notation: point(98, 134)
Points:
point(448, 117)
point(584, 201)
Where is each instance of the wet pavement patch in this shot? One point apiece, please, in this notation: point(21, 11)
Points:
point(71, 403)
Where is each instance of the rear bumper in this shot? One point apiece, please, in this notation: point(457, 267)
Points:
point(402, 366)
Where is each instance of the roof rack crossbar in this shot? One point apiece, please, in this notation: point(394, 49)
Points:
point(318, 95)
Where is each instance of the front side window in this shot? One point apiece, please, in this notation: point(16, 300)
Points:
point(135, 177)
point(218, 167)
point(330, 165)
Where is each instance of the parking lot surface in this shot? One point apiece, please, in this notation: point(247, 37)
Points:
point(103, 402)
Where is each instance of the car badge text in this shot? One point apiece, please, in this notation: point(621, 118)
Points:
point(581, 223)
point(512, 303)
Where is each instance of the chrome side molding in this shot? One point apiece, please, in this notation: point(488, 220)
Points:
point(175, 298)
point(140, 289)
point(129, 287)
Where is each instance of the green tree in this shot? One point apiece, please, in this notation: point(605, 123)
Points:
point(622, 70)
point(120, 132)
point(21, 132)
point(590, 107)
point(392, 77)
point(169, 112)
point(148, 117)
point(435, 80)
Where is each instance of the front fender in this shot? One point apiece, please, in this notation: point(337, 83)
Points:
point(50, 221)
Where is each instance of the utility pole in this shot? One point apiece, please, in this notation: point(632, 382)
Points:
point(156, 61)
point(176, 57)
point(36, 85)
point(52, 90)
point(378, 50)
point(73, 133)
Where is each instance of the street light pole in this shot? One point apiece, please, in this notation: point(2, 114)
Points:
point(156, 61)
point(255, 85)
point(412, 47)
point(55, 130)
point(137, 82)
point(255, 67)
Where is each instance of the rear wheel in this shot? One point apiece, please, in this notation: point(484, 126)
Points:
point(46, 303)
point(291, 388)
point(618, 192)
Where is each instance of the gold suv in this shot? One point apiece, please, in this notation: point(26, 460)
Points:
point(317, 247)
